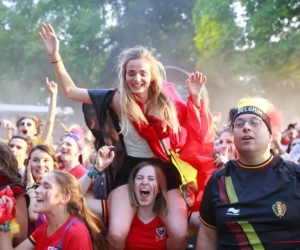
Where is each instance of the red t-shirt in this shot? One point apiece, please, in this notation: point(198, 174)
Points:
point(150, 236)
point(76, 237)
point(78, 171)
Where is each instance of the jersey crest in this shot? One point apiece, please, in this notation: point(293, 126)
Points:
point(161, 233)
point(279, 208)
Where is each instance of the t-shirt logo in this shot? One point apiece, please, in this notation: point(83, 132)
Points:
point(279, 208)
point(52, 248)
point(233, 211)
point(161, 231)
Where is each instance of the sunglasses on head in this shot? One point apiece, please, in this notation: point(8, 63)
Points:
point(23, 124)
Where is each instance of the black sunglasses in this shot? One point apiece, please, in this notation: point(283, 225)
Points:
point(23, 123)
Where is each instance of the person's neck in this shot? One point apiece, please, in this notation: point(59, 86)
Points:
point(55, 220)
point(143, 98)
point(252, 159)
point(146, 214)
point(69, 165)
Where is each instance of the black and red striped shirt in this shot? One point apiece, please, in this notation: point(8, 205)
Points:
point(254, 207)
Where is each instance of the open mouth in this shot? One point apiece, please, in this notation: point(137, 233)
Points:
point(24, 131)
point(64, 152)
point(138, 85)
point(247, 138)
point(41, 171)
point(39, 200)
point(144, 193)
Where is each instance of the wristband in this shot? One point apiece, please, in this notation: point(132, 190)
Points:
point(93, 172)
point(5, 227)
point(56, 61)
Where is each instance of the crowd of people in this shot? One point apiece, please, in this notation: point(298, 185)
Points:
point(131, 186)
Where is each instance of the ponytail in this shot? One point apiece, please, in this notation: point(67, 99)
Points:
point(77, 207)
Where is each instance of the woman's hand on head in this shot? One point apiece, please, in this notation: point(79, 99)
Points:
point(50, 41)
point(105, 157)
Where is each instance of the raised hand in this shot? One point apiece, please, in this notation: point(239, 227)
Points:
point(222, 159)
point(195, 84)
point(105, 157)
point(52, 87)
point(50, 41)
point(7, 124)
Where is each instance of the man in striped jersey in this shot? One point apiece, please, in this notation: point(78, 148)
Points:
point(254, 202)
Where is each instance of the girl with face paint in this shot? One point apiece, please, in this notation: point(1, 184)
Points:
point(227, 150)
point(71, 148)
point(70, 224)
point(147, 193)
point(41, 160)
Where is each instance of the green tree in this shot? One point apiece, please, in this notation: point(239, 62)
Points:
point(81, 26)
point(257, 40)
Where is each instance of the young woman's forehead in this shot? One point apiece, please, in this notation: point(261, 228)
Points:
point(138, 64)
point(149, 170)
point(39, 153)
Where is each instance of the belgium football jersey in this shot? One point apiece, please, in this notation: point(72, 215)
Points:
point(255, 207)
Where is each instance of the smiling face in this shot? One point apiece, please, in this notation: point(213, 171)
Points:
point(48, 195)
point(27, 127)
point(146, 186)
point(41, 163)
point(138, 77)
point(19, 148)
point(226, 140)
point(69, 149)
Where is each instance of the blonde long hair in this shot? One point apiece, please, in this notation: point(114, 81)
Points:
point(159, 103)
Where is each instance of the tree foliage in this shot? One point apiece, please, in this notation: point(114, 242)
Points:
point(257, 39)
point(81, 29)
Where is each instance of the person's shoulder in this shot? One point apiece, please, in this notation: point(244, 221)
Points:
point(78, 229)
point(76, 236)
point(226, 169)
point(291, 165)
point(286, 166)
point(39, 233)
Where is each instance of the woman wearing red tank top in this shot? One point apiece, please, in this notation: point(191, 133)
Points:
point(70, 224)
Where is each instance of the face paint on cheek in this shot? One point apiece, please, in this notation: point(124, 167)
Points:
point(155, 188)
point(70, 151)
